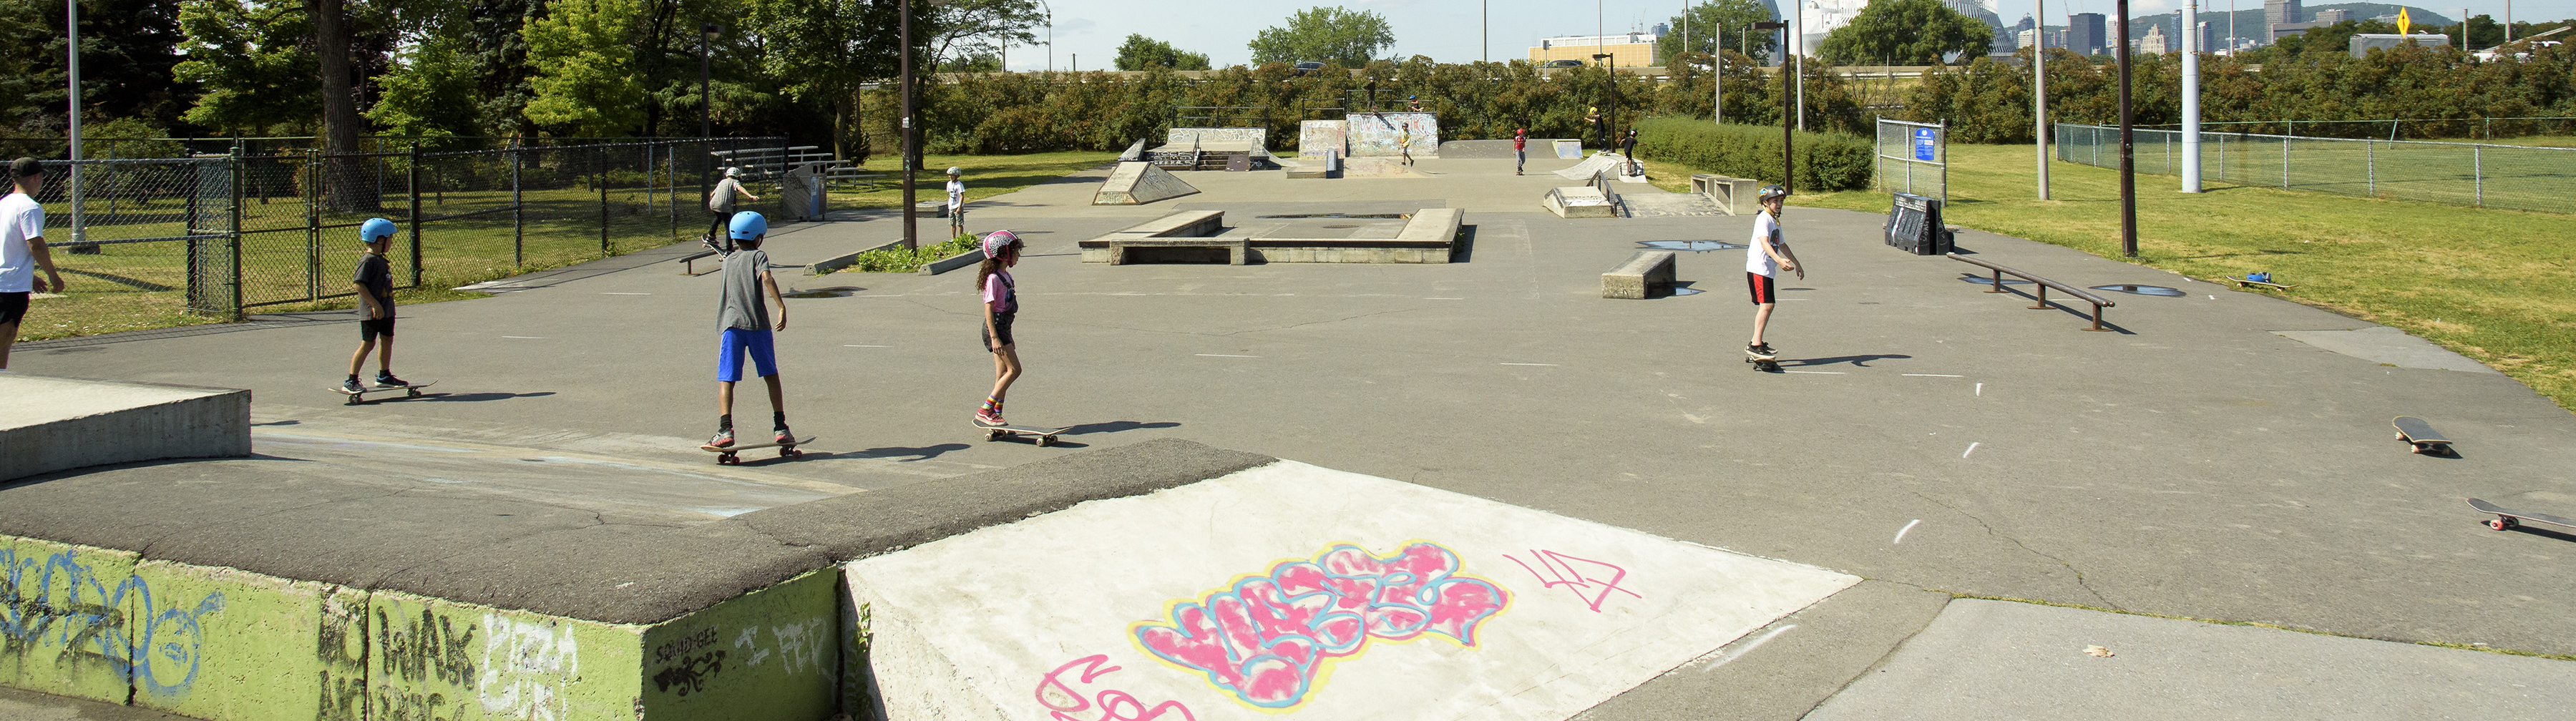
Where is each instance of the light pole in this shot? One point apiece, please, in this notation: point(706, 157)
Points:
point(2039, 90)
point(1050, 16)
point(1798, 35)
point(2191, 97)
point(1787, 177)
point(2128, 147)
point(903, 35)
point(706, 121)
point(1610, 117)
point(1717, 66)
point(71, 23)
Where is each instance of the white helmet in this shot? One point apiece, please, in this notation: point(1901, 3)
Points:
point(953, 170)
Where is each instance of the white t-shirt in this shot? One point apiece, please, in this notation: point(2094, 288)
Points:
point(1766, 229)
point(956, 194)
point(20, 219)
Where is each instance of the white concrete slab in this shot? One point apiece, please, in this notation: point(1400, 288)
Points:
point(49, 424)
point(2003, 660)
point(2382, 344)
point(1291, 589)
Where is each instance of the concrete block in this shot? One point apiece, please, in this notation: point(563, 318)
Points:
point(68, 630)
point(51, 424)
point(774, 653)
point(1579, 201)
point(1647, 274)
point(1139, 183)
point(222, 643)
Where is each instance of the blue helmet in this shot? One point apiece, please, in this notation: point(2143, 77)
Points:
point(747, 225)
point(375, 229)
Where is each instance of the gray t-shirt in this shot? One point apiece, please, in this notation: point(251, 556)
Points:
point(721, 198)
point(741, 305)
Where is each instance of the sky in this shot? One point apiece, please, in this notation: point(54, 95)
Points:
point(1087, 32)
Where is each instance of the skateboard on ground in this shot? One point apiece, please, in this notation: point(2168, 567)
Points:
point(2506, 518)
point(411, 391)
point(732, 455)
point(1044, 436)
point(2244, 283)
point(2427, 441)
point(1764, 363)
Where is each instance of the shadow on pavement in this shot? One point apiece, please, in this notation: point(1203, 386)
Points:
point(923, 453)
point(1857, 361)
point(1115, 426)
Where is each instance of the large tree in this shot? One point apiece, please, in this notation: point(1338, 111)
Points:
point(1144, 53)
point(826, 49)
point(251, 63)
point(960, 29)
point(1349, 39)
point(584, 55)
point(1735, 16)
point(1906, 32)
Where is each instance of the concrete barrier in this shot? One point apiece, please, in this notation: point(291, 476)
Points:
point(1648, 274)
point(52, 424)
point(1185, 224)
point(1138, 183)
point(1580, 201)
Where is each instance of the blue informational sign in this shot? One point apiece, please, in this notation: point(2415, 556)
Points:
point(1923, 144)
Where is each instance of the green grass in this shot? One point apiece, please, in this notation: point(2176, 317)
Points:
point(2524, 178)
point(986, 176)
point(2490, 284)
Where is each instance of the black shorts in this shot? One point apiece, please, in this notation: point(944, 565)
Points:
point(369, 328)
point(1001, 327)
point(13, 307)
point(1761, 286)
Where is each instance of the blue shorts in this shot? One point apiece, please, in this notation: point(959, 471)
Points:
point(737, 340)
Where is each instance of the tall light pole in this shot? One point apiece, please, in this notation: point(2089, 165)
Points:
point(1799, 36)
point(1485, 29)
point(71, 24)
point(706, 120)
point(2039, 90)
point(1050, 16)
point(903, 38)
point(2191, 96)
point(2128, 146)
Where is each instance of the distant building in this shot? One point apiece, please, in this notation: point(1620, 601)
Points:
point(2277, 13)
point(2208, 37)
point(2154, 40)
point(2025, 38)
point(2330, 17)
point(2362, 43)
point(1819, 18)
point(1630, 50)
point(2084, 34)
point(2284, 30)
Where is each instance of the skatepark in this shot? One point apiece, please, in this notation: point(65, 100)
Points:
point(1591, 507)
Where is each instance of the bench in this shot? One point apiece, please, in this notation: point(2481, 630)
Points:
point(1724, 190)
point(1997, 286)
point(1648, 274)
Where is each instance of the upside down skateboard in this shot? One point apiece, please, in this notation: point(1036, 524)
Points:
point(2427, 441)
point(1765, 363)
point(732, 455)
point(1044, 436)
point(356, 396)
point(2507, 518)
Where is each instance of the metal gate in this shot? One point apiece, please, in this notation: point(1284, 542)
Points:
point(1913, 158)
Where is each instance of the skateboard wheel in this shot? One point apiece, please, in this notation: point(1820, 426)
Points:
point(2401, 435)
point(1046, 440)
point(992, 435)
point(414, 393)
point(353, 400)
point(2497, 524)
point(791, 453)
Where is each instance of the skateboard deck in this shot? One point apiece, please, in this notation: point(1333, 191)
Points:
point(1044, 436)
point(732, 455)
point(2243, 283)
point(1764, 363)
point(411, 391)
point(2414, 430)
point(2507, 518)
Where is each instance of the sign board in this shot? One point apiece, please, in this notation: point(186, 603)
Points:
point(1923, 144)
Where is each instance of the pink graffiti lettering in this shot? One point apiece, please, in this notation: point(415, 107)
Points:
point(1581, 581)
point(1114, 705)
point(1268, 638)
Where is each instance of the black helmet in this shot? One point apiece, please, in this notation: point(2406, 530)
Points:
point(1769, 192)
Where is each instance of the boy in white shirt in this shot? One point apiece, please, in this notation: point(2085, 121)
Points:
point(956, 202)
point(1768, 254)
point(22, 250)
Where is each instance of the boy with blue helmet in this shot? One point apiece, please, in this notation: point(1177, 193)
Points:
point(375, 284)
point(743, 317)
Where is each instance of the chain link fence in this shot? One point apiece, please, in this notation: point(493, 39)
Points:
point(266, 224)
point(1912, 158)
point(2476, 174)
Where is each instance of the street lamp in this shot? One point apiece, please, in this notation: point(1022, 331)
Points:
point(707, 33)
point(903, 34)
point(1787, 178)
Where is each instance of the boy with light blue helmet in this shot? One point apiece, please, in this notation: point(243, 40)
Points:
point(375, 284)
point(743, 317)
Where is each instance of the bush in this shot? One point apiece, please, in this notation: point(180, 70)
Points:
point(898, 260)
point(1824, 161)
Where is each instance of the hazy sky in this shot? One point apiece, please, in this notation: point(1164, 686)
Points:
point(1448, 30)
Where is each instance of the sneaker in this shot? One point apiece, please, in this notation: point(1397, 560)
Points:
point(989, 418)
point(784, 437)
point(723, 439)
point(351, 385)
point(1763, 349)
point(710, 240)
point(389, 381)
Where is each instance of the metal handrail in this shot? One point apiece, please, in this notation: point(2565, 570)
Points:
point(2044, 284)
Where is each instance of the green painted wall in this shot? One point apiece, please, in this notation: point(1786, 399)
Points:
point(774, 653)
point(69, 616)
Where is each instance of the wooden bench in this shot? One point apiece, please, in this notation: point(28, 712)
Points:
point(1648, 274)
point(1725, 191)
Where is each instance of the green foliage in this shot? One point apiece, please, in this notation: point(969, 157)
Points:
point(898, 260)
point(1326, 34)
point(1140, 53)
point(431, 94)
point(1906, 32)
point(252, 60)
point(1736, 17)
point(127, 50)
point(1824, 161)
point(960, 29)
point(584, 55)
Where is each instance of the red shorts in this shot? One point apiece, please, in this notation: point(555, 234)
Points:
point(1761, 286)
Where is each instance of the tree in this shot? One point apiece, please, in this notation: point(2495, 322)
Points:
point(1906, 32)
point(958, 29)
point(585, 57)
point(1331, 34)
point(822, 45)
point(1141, 53)
point(249, 58)
point(1736, 16)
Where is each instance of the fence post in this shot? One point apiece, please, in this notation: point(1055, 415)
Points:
point(1945, 165)
point(2285, 160)
point(518, 207)
point(233, 234)
point(411, 179)
point(2478, 170)
point(314, 193)
point(2370, 164)
point(602, 181)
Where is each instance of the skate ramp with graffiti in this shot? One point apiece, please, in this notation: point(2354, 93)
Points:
point(1376, 134)
point(1292, 590)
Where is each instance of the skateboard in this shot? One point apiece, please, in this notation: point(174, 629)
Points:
point(2507, 519)
point(2428, 441)
point(1764, 363)
point(732, 455)
point(2245, 283)
point(412, 391)
point(1044, 436)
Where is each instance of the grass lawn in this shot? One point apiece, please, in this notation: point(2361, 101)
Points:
point(2491, 284)
point(986, 176)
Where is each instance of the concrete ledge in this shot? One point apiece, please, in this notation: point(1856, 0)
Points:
point(1128, 251)
point(1579, 201)
point(1727, 192)
point(836, 263)
point(1648, 274)
point(1186, 224)
point(52, 424)
point(953, 262)
point(1433, 224)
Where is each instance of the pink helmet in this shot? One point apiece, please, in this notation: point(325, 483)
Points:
point(995, 242)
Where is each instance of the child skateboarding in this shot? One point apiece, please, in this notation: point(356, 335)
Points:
point(742, 316)
point(1768, 254)
point(1520, 150)
point(1001, 305)
point(956, 202)
point(375, 283)
point(1404, 142)
point(720, 204)
point(22, 250)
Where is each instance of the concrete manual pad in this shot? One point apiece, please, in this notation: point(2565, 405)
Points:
point(1293, 589)
point(2003, 660)
point(2382, 344)
point(51, 423)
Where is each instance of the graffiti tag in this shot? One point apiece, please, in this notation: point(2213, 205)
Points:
point(1267, 638)
point(526, 665)
point(58, 602)
point(1580, 575)
point(1062, 701)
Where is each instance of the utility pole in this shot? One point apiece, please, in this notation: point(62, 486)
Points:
point(2039, 90)
point(1798, 35)
point(1788, 178)
point(1717, 73)
point(71, 24)
point(2128, 147)
point(903, 37)
point(2191, 96)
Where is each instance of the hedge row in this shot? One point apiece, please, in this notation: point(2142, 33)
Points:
point(1824, 161)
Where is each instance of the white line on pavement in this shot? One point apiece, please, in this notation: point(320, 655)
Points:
point(1972, 448)
point(1900, 533)
point(1444, 299)
point(1935, 375)
point(1732, 655)
point(1981, 390)
point(1222, 355)
point(882, 296)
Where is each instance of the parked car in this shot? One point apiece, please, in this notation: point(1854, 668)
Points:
point(1562, 64)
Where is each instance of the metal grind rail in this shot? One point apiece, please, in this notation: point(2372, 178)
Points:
point(1997, 286)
